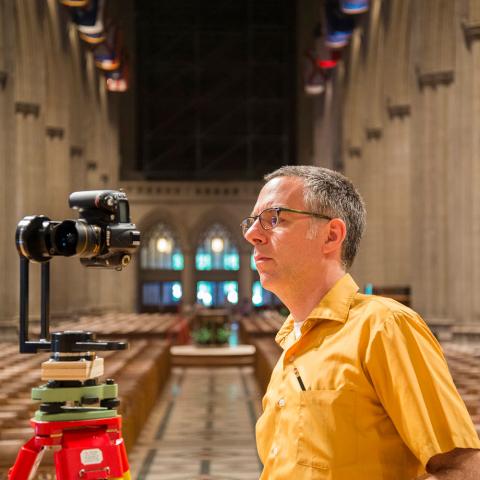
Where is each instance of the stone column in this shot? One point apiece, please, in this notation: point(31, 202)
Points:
point(28, 170)
point(461, 185)
point(397, 140)
point(245, 277)
point(9, 273)
point(57, 161)
point(472, 182)
point(189, 287)
point(397, 199)
point(308, 14)
point(352, 139)
point(366, 140)
point(433, 150)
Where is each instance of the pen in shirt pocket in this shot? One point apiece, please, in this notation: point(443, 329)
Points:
point(299, 378)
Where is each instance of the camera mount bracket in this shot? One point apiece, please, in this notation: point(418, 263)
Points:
point(64, 341)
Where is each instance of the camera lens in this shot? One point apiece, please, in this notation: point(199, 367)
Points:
point(76, 238)
point(66, 238)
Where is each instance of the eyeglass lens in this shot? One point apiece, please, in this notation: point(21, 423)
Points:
point(269, 218)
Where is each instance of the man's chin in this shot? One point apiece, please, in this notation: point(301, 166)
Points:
point(267, 281)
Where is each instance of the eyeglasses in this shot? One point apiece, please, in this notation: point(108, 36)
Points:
point(269, 218)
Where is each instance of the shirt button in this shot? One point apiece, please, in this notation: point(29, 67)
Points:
point(274, 451)
point(281, 402)
point(292, 358)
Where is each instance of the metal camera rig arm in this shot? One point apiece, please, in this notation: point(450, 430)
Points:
point(44, 343)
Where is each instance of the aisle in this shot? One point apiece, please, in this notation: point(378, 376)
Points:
point(201, 428)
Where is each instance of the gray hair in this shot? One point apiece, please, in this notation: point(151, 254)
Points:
point(330, 193)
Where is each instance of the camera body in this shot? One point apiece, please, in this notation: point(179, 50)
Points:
point(103, 236)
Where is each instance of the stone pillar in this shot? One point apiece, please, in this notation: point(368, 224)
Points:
point(471, 185)
point(397, 141)
point(397, 200)
point(352, 139)
point(57, 161)
point(245, 277)
point(308, 14)
point(28, 173)
point(9, 272)
point(431, 154)
point(364, 141)
point(327, 123)
point(189, 286)
point(461, 186)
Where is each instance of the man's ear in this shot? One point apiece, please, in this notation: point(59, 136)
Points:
point(336, 233)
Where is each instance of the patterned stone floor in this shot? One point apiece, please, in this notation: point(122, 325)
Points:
point(202, 428)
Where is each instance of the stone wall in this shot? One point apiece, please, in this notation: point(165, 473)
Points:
point(58, 134)
point(410, 141)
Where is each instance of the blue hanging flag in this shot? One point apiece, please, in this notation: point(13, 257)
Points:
point(339, 26)
point(89, 21)
point(107, 54)
point(352, 7)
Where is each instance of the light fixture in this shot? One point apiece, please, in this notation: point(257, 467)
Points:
point(164, 245)
point(217, 244)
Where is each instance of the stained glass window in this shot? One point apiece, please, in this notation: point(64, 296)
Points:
point(161, 294)
point(217, 294)
point(217, 251)
point(160, 250)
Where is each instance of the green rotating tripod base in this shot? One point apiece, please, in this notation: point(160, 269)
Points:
point(76, 403)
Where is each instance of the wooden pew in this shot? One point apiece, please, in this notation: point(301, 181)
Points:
point(265, 323)
point(266, 356)
point(400, 293)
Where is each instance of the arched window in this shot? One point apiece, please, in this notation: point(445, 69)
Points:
point(217, 293)
point(217, 264)
point(160, 250)
point(161, 262)
point(217, 250)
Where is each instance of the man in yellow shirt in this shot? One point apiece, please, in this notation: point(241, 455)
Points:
point(362, 390)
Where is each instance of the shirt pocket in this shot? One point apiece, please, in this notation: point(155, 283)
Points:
point(327, 434)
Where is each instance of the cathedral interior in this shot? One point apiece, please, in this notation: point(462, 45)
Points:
point(184, 106)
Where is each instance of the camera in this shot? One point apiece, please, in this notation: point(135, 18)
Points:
point(103, 236)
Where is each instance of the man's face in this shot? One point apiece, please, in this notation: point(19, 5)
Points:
point(288, 255)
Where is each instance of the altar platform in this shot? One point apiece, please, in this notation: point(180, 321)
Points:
point(195, 356)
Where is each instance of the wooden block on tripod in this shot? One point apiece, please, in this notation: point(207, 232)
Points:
point(78, 370)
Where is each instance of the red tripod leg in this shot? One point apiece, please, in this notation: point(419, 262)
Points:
point(125, 465)
point(27, 461)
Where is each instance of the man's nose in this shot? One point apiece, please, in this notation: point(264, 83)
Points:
point(256, 234)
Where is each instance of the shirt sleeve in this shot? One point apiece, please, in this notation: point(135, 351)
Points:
point(411, 377)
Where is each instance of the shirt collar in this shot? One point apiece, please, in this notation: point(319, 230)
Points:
point(335, 305)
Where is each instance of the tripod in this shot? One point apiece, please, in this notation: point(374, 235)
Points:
point(77, 416)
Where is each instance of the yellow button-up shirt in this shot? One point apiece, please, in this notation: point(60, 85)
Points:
point(379, 400)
